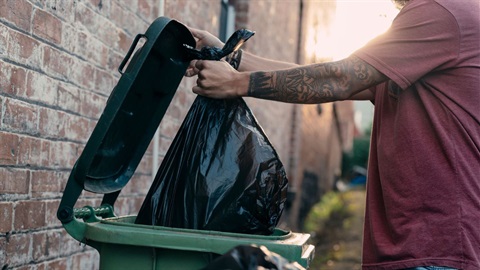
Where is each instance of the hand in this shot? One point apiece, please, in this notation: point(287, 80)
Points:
point(217, 79)
point(203, 39)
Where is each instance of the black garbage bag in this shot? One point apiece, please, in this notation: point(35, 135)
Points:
point(220, 173)
point(252, 257)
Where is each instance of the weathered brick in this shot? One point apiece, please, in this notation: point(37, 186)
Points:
point(56, 264)
point(62, 9)
point(68, 97)
point(169, 127)
point(77, 128)
point(3, 39)
point(46, 244)
point(124, 41)
point(29, 215)
point(69, 37)
point(14, 181)
point(104, 80)
point(82, 74)
point(48, 183)
point(63, 155)
point(57, 63)
point(47, 26)
point(86, 260)
point(114, 60)
point(20, 116)
point(8, 148)
point(6, 215)
point(52, 123)
point(92, 104)
point(18, 249)
point(51, 210)
point(145, 10)
point(24, 49)
point(33, 152)
point(17, 12)
point(41, 88)
point(12, 79)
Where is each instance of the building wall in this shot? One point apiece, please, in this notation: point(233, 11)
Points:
point(58, 62)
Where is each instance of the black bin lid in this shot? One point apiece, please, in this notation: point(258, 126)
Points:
point(132, 114)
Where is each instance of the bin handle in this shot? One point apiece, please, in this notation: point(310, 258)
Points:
point(130, 52)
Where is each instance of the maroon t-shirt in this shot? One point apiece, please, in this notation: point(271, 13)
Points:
point(423, 191)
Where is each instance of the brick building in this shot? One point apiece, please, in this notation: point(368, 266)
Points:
point(58, 62)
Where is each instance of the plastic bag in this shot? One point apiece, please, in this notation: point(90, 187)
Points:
point(252, 257)
point(220, 173)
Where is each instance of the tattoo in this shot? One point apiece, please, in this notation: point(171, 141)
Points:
point(316, 83)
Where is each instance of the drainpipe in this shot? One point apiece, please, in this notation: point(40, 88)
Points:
point(156, 137)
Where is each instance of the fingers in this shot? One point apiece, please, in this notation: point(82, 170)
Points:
point(195, 32)
point(191, 70)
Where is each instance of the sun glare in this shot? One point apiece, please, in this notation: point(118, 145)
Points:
point(355, 23)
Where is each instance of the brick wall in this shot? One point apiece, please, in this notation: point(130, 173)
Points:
point(58, 62)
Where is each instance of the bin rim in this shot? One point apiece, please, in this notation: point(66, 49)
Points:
point(127, 221)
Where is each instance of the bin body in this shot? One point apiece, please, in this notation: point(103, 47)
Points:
point(125, 245)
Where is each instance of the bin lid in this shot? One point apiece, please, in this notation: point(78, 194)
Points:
point(133, 111)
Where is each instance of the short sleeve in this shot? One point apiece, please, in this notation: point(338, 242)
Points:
point(423, 37)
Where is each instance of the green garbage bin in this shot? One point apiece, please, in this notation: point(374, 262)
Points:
point(118, 142)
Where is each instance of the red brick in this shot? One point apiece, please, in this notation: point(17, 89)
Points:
point(8, 148)
point(57, 63)
point(24, 49)
point(3, 39)
point(68, 98)
point(48, 183)
point(114, 60)
point(169, 127)
point(20, 116)
point(63, 155)
point(17, 12)
point(12, 79)
point(86, 17)
point(77, 128)
point(47, 26)
point(145, 9)
point(46, 245)
point(17, 249)
point(104, 80)
point(62, 9)
point(59, 264)
point(29, 215)
point(124, 41)
point(33, 152)
point(6, 215)
point(92, 104)
point(52, 123)
point(51, 211)
point(87, 260)
point(41, 88)
point(14, 181)
point(82, 74)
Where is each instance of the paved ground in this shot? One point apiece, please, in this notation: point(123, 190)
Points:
point(339, 245)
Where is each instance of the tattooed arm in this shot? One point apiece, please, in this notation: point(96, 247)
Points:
point(318, 83)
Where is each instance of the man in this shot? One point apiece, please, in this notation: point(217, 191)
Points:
point(423, 75)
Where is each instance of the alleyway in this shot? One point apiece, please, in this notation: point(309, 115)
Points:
point(339, 240)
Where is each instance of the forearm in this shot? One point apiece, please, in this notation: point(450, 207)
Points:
point(252, 62)
point(316, 83)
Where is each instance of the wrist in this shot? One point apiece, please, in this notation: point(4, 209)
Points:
point(243, 83)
